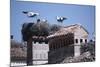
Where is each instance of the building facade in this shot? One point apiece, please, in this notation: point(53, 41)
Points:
point(40, 53)
point(66, 42)
point(40, 50)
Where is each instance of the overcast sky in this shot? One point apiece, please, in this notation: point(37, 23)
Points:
point(81, 14)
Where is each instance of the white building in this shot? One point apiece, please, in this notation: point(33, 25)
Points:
point(40, 53)
point(80, 36)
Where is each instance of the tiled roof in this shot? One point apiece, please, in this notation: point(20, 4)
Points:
point(67, 29)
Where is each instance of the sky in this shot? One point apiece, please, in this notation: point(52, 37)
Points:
point(76, 14)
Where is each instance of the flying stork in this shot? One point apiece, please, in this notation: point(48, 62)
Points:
point(61, 19)
point(30, 14)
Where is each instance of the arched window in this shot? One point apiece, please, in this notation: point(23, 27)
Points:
point(81, 40)
point(40, 56)
point(35, 55)
point(76, 40)
point(85, 40)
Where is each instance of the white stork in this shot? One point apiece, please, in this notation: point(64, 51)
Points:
point(30, 14)
point(61, 19)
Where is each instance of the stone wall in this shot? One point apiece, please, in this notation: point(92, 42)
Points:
point(40, 53)
point(57, 56)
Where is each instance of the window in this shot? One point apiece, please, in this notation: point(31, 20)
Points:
point(81, 40)
point(40, 56)
point(76, 40)
point(85, 40)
